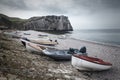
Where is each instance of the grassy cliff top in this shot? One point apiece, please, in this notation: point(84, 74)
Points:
point(12, 19)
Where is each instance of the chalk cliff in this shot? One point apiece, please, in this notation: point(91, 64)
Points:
point(45, 23)
point(48, 23)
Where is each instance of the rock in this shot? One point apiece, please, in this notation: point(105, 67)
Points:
point(48, 74)
point(3, 78)
point(11, 77)
point(48, 23)
point(32, 69)
point(67, 76)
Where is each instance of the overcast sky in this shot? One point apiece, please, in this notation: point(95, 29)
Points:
point(83, 14)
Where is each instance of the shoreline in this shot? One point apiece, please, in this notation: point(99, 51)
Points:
point(62, 33)
point(108, 53)
point(100, 43)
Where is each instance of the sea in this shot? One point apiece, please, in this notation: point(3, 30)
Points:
point(106, 36)
point(103, 36)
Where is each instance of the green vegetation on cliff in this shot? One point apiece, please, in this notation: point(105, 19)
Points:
point(10, 22)
point(12, 19)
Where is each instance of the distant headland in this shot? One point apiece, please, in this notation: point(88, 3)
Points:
point(43, 23)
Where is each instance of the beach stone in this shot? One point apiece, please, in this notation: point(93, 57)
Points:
point(32, 69)
point(11, 77)
point(48, 74)
point(80, 79)
point(67, 76)
point(17, 79)
point(3, 78)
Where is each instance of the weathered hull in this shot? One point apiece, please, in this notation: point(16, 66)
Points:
point(58, 54)
point(44, 42)
point(24, 42)
point(53, 53)
point(86, 65)
point(31, 47)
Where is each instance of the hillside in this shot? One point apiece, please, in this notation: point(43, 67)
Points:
point(10, 22)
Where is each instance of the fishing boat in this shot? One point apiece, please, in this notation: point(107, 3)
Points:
point(51, 52)
point(24, 41)
point(42, 35)
point(57, 54)
point(62, 37)
point(86, 63)
point(44, 42)
point(27, 34)
point(32, 47)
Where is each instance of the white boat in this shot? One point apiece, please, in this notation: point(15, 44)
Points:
point(27, 34)
point(44, 42)
point(85, 63)
point(42, 35)
point(32, 47)
point(62, 37)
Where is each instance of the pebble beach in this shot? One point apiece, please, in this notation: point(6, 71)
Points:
point(42, 67)
point(102, 51)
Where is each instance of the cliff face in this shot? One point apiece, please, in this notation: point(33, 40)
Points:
point(48, 23)
point(45, 23)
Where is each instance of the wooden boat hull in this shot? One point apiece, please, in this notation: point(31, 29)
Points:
point(44, 42)
point(31, 47)
point(86, 64)
point(23, 41)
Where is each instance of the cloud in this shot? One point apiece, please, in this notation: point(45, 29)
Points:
point(80, 12)
point(114, 4)
point(13, 4)
point(74, 7)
